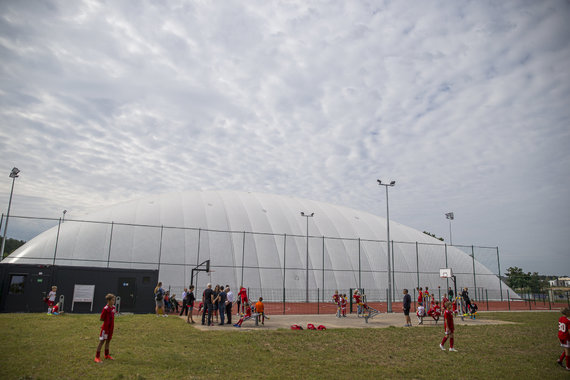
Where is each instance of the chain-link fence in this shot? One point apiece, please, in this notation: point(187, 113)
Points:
point(284, 268)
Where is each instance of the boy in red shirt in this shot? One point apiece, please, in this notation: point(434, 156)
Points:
point(108, 318)
point(242, 294)
point(435, 311)
point(448, 327)
point(336, 300)
point(358, 302)
point(343, 303)
point(564, 336)
point(244, 317)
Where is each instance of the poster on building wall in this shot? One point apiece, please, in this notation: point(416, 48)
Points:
point(83, 293)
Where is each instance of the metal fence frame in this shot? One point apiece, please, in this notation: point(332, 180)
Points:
point(376, 293)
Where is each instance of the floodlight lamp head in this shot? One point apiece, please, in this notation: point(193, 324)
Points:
point(312, 214)
point(392, 183)
point(14, 173)
point(379, 182)
point(302, 213)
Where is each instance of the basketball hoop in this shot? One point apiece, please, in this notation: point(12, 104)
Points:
point(445, 273)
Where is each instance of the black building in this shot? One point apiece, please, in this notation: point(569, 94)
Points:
point(23, 287)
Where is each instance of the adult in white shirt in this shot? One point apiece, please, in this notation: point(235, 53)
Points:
point(229, 302)
point(184, 302)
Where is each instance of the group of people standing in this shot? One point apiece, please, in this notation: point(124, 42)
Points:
point(217, 301)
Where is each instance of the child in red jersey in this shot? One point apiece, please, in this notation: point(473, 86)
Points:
point(108, 318)
point(435, 311)
point(55, 310)
point(336, 300)
point(244, 317)
point(242, 294)
point(358, 302)
point(343, 302)
point(420, 296)
point(51, 299)
point(448, 327)
point(564, 336)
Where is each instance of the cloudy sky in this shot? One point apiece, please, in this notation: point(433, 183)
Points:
point(466, 104)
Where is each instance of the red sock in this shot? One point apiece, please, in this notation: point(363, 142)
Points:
point(98, 354)
point(450, 342)
point(562, 356)
point(443, 341)
point(106, 352)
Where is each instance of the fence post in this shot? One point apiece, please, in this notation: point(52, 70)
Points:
point(417, 264)
point(549, 305)
point(393, 275)
point(359, 266)
point(57, 240)
point(318, 302)
point(529, 301)
point(198, 260)
point(324, 267)
point(110, 242)
point(474, 279)
point(487, 297)
point(415, 300)
point(284, 268)
point(500, 281)
point(242, 256)
point(508, 299)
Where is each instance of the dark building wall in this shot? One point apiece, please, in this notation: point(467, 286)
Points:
point(23, 287)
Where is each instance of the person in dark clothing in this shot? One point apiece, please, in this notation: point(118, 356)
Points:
point(229, 303)
point(450, 294)
point(208, 300)
point(406, 306)
point(465, 296)
point(222, 296)
point(190, 298)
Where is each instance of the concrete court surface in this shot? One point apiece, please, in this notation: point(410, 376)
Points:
point(330, 321)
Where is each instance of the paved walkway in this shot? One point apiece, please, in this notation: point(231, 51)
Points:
point(330, 321)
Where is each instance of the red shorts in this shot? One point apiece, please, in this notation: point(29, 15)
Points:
point(106, 335)
point(565, 343)
point(51, 303)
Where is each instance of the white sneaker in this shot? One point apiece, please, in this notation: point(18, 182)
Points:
point(452, 350)
point(441, 346)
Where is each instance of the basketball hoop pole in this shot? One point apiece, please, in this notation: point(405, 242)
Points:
point(199, 268)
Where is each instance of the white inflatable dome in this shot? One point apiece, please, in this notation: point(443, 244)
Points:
point(249, 239)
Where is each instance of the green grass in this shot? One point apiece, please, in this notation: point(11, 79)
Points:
point(38, 346)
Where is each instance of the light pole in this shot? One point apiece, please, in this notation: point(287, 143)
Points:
point(307, 216)
point(13, 175)
point(450, 216)
point(389, 300)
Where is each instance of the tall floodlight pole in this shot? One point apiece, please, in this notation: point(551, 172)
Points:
point(13, 175)
point(450, 216)
point(307, 216)
point(389, 300)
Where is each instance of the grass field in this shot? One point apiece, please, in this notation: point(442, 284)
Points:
point(38, 346)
